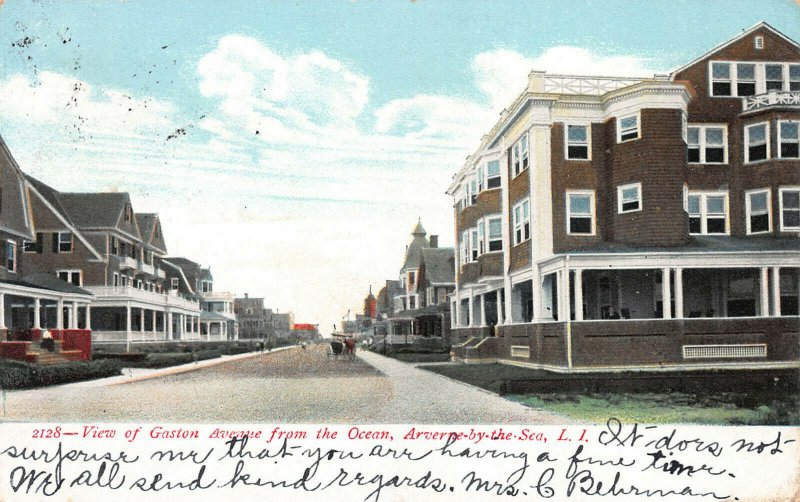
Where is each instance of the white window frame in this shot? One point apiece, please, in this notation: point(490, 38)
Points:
point(638, 118)
point(620, 201)
point(703, 145)
point(747, 142)
point(38, 243)
point(780, 138)
point(70, 272)
point(748, 214)
point(115, 278)
point(758, 42)
point(481, 226)
point(754, 81)
point(592, 211)
point(703, 206)
point(760, 77)
point(489, 240)
point(479, 176)
point(520, 157)
point(61, 241)
point(587, 143)
point(11, 256)
point(521, 215)
point(474, 252)
point(781, 191)
point(496, 176)
point(174, 284)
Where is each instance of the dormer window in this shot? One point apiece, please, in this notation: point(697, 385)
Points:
point(128, 213)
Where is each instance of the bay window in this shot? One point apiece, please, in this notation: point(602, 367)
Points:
point(756, 139)
point(790, 209)
point(789, 139)
point(758, 211)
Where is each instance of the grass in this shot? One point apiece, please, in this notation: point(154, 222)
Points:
point(713, 398)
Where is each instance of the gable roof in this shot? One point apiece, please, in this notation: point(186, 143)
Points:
point(95, 210)
point(17, 218)
point(414, 250)
point(440, 265)
point(744, 34)
point(147, 223)
point(177, 271)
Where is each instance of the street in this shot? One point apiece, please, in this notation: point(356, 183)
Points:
point(291, 386)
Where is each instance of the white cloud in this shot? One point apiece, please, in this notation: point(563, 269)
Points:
point(439, 117)
point(502, 74)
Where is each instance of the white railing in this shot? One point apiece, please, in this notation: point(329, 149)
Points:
point(128, 262)
point(116, 292)
point(772, 98)
point(595, 86)
point(147, 269)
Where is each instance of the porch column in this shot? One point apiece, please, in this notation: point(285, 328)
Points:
point(483, 309)
point(764, 290)
point(60, 314)
point(471, 310)
point(2, 310)
point(73, 316)
point(578, 294)
point(776, 291)
point(500, 320)
point(168, 325)
point(128, 322)
point(563, 295)
point(678, 293)
point(88, 320)
point(141, 322)
point(37, 314)
point(155, 323)
point(666, 294)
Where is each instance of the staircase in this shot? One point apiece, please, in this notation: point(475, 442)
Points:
point(58, 356)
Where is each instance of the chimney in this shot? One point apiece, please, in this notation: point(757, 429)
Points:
point(434, 241)
point(246, 295)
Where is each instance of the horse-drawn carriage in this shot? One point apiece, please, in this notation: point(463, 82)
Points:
point(342, 345)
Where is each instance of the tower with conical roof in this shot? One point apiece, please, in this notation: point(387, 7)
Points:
point(371, 305)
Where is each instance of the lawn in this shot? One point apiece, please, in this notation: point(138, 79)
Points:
point(714, 398)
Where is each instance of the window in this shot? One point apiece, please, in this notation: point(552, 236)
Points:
point(74, 277)
point(756, 139)
point(707, 144)
point(627, 128)
point(474, 241)
point(493, 174)
point(519, 155)
point(481, 237)
point(62, 242)
point(128, 213)
point(33, 246)
point(174, 283)
point(720, 79)
point(522, 222)
point(495, 237)
point(11, 256)
point(412, 280)
point(708, 212)
point(472, 192)
point(758, 211)
point(580, 213)
point(577, 142)
point(629, 198)
point(465, 247)
point(480, 179)
point(751, 78)
point(758, 42)
point(745, 79)
point(773, 76)
point(789, 139)
point(790, 209)
point(116, 279)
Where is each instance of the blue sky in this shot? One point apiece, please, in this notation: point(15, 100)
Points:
point(291, 146)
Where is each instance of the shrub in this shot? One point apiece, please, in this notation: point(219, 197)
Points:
point(19, 375)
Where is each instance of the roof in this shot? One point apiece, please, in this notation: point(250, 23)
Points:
point(413, 251)
point(213, 316)
point(440, 265)
point(53, 283)
point(146, 222)
point(735, 39)
point(94, 210)
point(418, 229)
point(16, 218)
point(50, 194)
point(430, 310)
point(701, 244)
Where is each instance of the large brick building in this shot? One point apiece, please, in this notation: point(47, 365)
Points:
point(609, 223)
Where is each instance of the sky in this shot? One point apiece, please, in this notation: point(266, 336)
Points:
point(292, 146)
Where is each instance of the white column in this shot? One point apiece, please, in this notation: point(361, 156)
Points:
point(764, 290)
point(471, 310)
point(2, 311)
point(60, 314)
point(483, 309)
point(168, 325)
point(141, 322)
point(578, 294)
point(666, 294)
point(128, 322)
point(678, 293)
point(37, 314)
point(73, 316)
point(155, 323)
point(500, 320)
point(776, 291)
point(563, 295)
point(88, 320)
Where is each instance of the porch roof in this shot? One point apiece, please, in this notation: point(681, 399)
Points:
point(49, 282)
point(213, 317)
point(431, 310)
point(700, 244)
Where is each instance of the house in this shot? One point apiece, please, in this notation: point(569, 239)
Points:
point(31, 301)
point(217, 320)
point(95, 241)
point(650, 223)
point(252, 317)
point(427, 279)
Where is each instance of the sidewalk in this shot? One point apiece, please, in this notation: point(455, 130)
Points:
point(421, 396)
